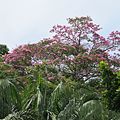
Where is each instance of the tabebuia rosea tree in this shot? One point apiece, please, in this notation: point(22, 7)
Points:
point(74, 50)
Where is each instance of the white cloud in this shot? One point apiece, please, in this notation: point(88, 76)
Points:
point(24, 21)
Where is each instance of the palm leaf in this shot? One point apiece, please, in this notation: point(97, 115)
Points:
point(9, 97)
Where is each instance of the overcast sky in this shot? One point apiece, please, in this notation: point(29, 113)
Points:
point(28, 21)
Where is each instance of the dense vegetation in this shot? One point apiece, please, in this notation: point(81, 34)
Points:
point(74, 75)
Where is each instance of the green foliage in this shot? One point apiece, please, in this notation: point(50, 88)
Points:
point(111, 84)
point(3, 49)
point(9, 98)
point(7, 71)
point(41, 99)
point(75, 102)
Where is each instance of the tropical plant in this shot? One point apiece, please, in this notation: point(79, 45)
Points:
point(9, 98)
point(111, 86)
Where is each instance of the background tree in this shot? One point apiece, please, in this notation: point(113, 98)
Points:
point(3, 49)
point(111, 85)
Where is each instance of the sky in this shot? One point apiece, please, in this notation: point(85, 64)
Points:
point(29, 21)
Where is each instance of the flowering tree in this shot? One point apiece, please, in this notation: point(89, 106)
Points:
point(75, 49)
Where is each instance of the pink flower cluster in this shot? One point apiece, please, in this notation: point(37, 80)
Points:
point(79, 38)
point(17, 54)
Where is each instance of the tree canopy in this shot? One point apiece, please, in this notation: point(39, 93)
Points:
point(73, 75)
